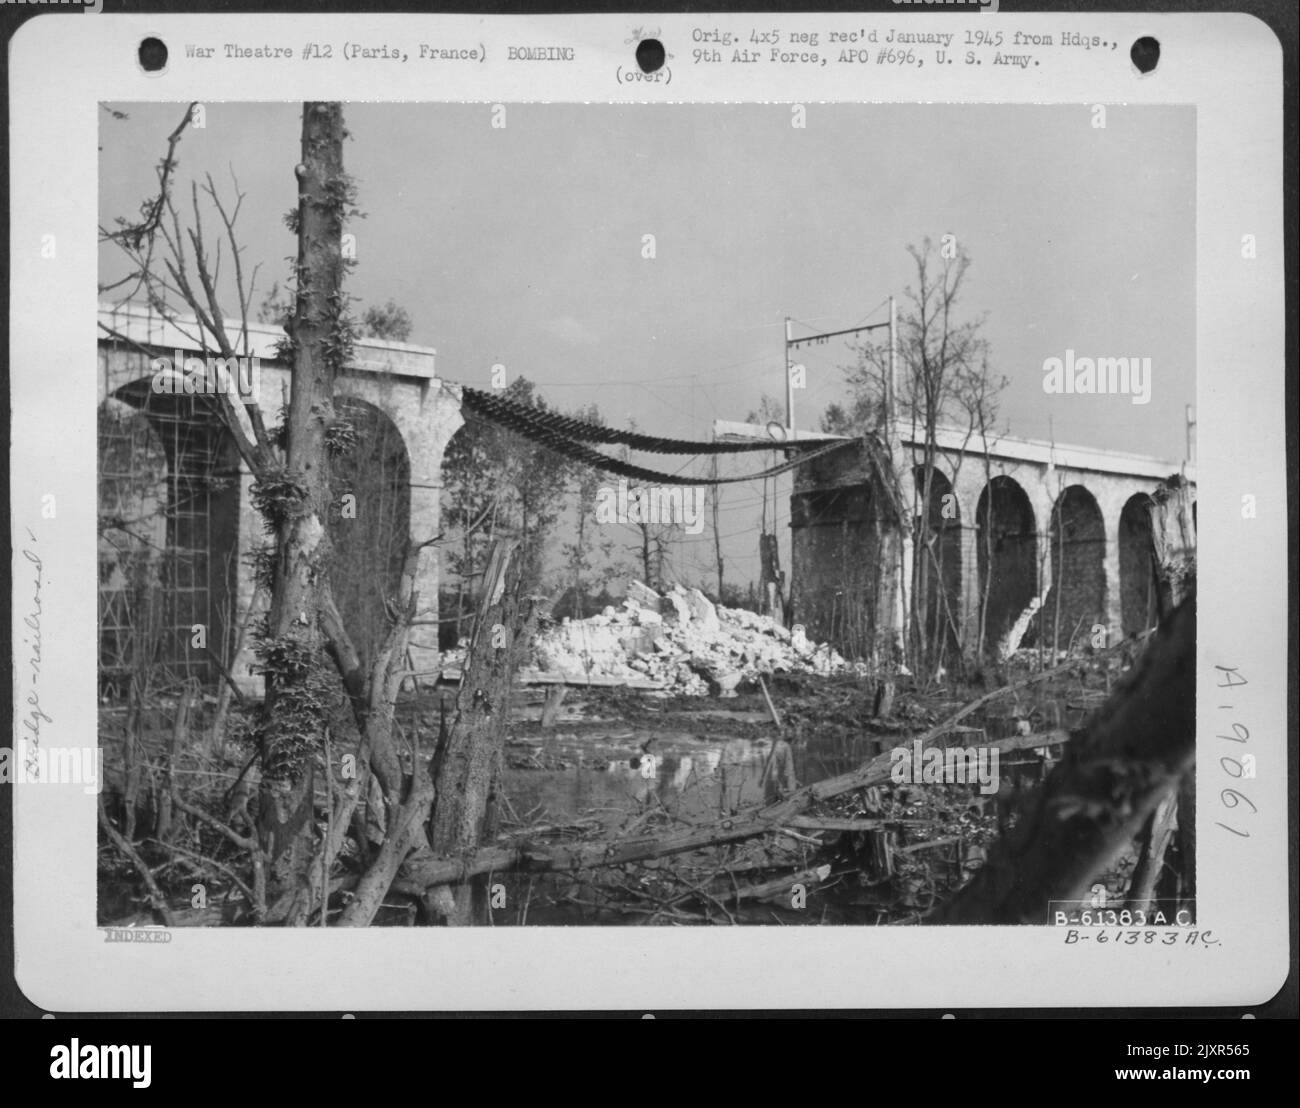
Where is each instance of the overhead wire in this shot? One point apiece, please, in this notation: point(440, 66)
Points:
point(567, 436)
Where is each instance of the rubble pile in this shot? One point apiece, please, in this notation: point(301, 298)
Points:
point(681, 640)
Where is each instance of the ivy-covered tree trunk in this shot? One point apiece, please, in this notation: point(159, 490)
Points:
point(295, 500)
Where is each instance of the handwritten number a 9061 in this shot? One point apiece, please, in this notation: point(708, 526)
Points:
point(1231, 678)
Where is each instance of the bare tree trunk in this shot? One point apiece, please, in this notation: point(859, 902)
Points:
point(988, 552)
point(1173, 831)
point(646, 572)
point(889, 637)
point(297, 499)
point(217, 739)
point(717, 535)
point(1156, 836)
point(460, 607)
point(466, 765)
point(1058, 564)
point(1173, 543)
point(130, 752)
point(920, 567)
point(769, 560)
point(167, 795)
point(578, 607)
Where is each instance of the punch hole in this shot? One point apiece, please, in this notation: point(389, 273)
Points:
point(650, 55)
point(152, 54)
point(1145, 54)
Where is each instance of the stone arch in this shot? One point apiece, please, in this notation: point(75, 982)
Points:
point(168, 488)
point(936, 570)
point(1006, 556)
point(370, 525)
point(1137, 579)
point(1076, 600)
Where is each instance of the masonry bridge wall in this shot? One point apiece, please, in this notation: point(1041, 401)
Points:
point(178, 530)
point(178, 527)
point(1065, 525)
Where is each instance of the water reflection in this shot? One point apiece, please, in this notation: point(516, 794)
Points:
point(612, 776)
point(693, 778)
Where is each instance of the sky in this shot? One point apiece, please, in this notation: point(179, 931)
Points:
point(523, 245)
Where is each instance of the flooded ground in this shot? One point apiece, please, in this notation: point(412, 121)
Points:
point(608, 761)
point(697, 775)
point(613, 765)
point(694, 763)
point(613, 762)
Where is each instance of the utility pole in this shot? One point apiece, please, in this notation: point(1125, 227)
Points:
point(789, 384)
point(897, 631)
point(1191, 422)
point(891, 385)
point(717, 536)
point(792, 343)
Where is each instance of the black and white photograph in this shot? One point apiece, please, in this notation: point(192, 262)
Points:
point(642, 514)
point(657, 514)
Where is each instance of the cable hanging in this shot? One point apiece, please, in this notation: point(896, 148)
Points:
point(522, 424)
point(512, 414)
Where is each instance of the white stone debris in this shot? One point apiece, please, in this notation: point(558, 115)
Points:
point(1010, 642)
point(683, 640)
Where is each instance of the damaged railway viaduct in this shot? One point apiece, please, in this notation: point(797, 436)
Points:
point(1015, 523)
point(1038, 542)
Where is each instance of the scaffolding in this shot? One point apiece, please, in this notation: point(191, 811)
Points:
point(168, 530)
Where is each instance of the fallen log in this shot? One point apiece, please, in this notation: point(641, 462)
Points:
point(929, 844)
point(837, 823)
point(778, 885)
